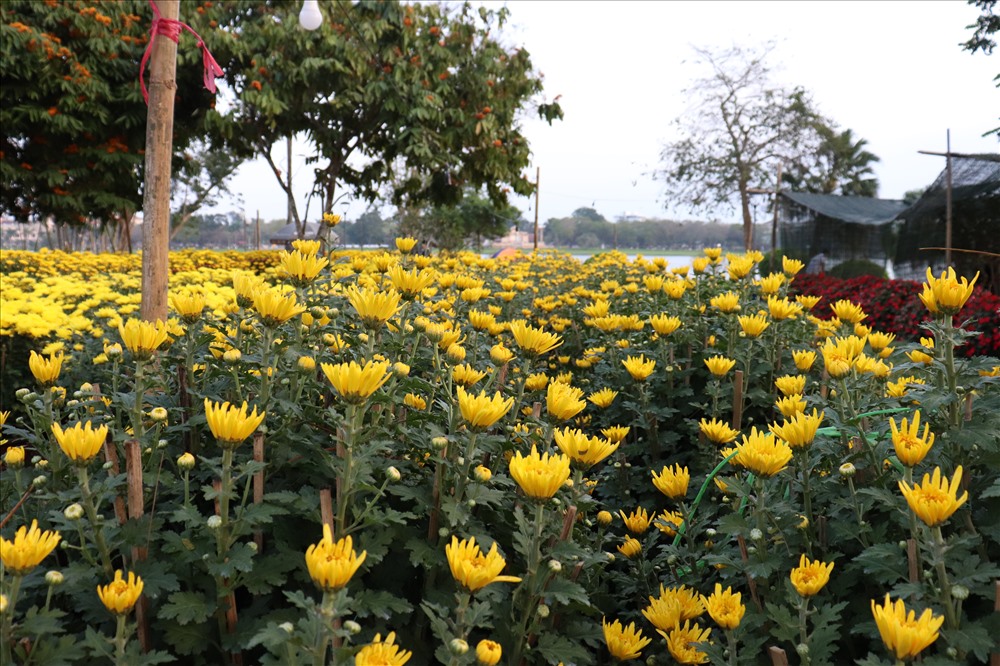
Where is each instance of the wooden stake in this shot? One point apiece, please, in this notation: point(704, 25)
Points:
point(111, 456)
point(778, 656)
point(258, 484)
point(995, 656)
point(326, 507)
point(159, 150)
point(133, 470)
point(750, 581)
point(911, 557)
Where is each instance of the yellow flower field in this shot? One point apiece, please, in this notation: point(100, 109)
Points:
point(331, 457)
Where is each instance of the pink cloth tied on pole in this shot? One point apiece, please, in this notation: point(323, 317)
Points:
point(171, 29)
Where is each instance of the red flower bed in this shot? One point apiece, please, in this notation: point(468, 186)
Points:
point(893, 306)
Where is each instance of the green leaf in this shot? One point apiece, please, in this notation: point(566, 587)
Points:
point(186, 607)
point(564, 592)
point(187, 639)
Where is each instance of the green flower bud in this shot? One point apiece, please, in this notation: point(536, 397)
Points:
point(54, 578)
point(73, 512)
point(458, 646)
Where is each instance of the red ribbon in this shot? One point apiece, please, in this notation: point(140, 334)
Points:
point(171, 29)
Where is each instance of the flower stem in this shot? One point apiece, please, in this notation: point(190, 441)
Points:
point(938, 545)
point(804, 630)
point(91, 509)
point(121, 639)
point(7, 627)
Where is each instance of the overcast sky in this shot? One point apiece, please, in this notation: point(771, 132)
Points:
point(892, 72)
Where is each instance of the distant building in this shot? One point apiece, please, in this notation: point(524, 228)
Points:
point(288, 233)
point(519, 239)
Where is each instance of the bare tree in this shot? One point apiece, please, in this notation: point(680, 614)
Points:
point(740, 128)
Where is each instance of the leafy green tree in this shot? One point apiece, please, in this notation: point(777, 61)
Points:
point(840, 165)
point(985, 26)
point(472, 221)
point(72, 116)
point(202, 180)
point(741, 128)
point(421, 95)
point(369, 229)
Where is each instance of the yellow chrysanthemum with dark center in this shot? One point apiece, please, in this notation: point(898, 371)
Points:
point(471, 568)
point(624, 643)
point(762, 453)
point(911, 446)
point(331, 563)
point(230, 425)
point(725, 607)
point(810, 576)
point(584, 450)
point(373, 306)
point(382, 653)
point(119, 596)
point(539, 476)
point(82, 442)
point(29, 547)
point(355, 383)
point(934, 499)
point(533, 341)
point(905, 634)
point(563, 401)
point(800, 430)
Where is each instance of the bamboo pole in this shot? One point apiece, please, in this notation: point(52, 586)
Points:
point(156, 189)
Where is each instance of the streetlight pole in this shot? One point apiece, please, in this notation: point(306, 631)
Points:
point(159, 149)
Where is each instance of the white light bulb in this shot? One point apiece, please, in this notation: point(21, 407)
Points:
point(310, 17)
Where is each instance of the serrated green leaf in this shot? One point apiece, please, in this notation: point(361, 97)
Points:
point(187, 639)
point(186, 607)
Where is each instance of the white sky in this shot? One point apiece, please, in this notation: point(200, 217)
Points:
point(892, 72)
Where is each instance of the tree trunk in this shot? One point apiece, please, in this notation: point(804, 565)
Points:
point(747, 218)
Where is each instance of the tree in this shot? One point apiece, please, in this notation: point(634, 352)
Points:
point(202, 180)
point(740, 129)
point(381, 89)
point(840, 165)
point(71, 112)
point(472, 221)
point(985, 26)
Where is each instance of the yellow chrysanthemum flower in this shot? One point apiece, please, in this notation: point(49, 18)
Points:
point(466, 375)
point(879, 341)
point(800, 430)
point(616, 433)
point(533, 341)
point(331, 563)
point(13, 457)
point(374, 306)
point(624, 643)
point(331, 219)
point(488, 653)
point(275, 307)
point(682, 642)
point(934, 499)
point(472, 569)
point(808, 302)
point(82, 442)
point(727, 302)
point(674, 289)
point(382, 653)
point(45, 370)
point(810, 576)
point(603, 398)
point(790, 405)
point(306, 246)
point(762, 453)
point(584, 450)
point(904, 634)
point(839, 355)
point(717, 431)
point(672, 481)
point(636, 522)
point(847, 311)
point(29, 547)
point(782, 308)
point(189, 305)
point(300, 267)
point(771, 284)
point(719, 365)
point(753, 325)
point(664, 324)
point(639, 367)
point(119, 596)
point(789, 384)
point(500, 355)
point(482, 411)
point(563, 401)
point(142, 338)
point(539, 476)
point(911, 447)
point(406, 244)
point(725, 607)
point(739, 267)
point(410, 284)
point(630, 547)
point(791, 266)
point(804, 359)
point(230, 425)
point(414, 401)
point(356, 383)
point(946, 294)
point(536, 381)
